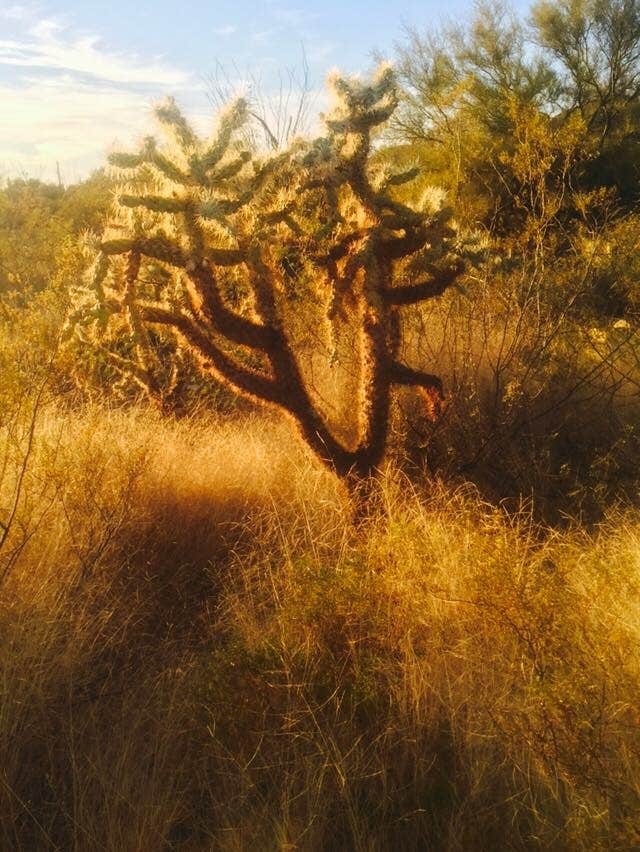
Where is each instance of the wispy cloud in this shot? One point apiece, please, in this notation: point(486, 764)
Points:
point(264, 36)
point(66, 96)
point(226, 31)
point(15, 12)
point(63, 118)
point(320, 51)
point(50, 45)
point(292, 16)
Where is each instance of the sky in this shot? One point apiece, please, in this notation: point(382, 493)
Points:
point(80, 78)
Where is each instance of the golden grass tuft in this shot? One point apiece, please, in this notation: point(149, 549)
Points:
point(200, 651)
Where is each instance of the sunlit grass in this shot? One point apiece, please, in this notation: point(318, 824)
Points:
point(200, 650)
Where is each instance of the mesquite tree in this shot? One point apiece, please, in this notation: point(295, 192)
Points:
point(223, 248)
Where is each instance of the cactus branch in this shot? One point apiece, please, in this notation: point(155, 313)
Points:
point(236, 328)
point(402, 375)
point(247, 381)
point(435, 285)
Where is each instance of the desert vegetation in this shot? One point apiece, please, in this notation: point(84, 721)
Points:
point(319, 521)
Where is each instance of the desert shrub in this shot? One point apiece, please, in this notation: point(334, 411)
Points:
point(542, 396)
point(37, 221)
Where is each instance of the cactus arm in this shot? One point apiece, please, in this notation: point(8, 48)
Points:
point(151, 156)
point(129, 367)
point(403, 375)
point(224, 257)
point(236, 328)
point(428, 386)
point(159, 248)
point(220, 208)
point(413, 240)
point(339, 250)
point(411, 294)
point(401, 178)
point(243, 379)
point(169, 251)
point(375, 354)
point(284, 215)
point(232, 168)
point(155, 203)
point(209, 300)
point(146, 359)
point(231, 121)
point(169, 115)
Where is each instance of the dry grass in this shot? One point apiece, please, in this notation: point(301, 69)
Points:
point(200, 652)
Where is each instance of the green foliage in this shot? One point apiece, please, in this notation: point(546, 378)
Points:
point(580, 60)
point(36, 221)
point(533, 132)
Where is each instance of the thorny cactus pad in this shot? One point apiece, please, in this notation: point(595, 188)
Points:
point(212, 243)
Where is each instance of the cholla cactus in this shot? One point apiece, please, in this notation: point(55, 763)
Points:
point(216, 244)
